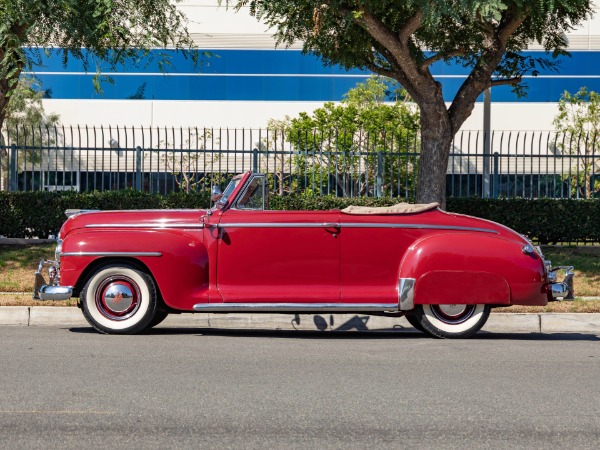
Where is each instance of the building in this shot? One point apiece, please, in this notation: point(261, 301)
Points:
point(247, 81)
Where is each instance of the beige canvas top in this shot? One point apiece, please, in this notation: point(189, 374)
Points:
point(400, 208)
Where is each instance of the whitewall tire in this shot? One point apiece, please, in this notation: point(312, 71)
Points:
point(452, 321)
point(119, 299)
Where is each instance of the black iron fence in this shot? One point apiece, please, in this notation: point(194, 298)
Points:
point(506, 163)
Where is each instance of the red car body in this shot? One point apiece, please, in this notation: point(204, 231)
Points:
point(233, 258)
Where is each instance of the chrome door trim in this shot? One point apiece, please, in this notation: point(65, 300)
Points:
point(406, 294)
point(110, 254)
point(278, 225)
point(352, 225)
point(295, 307)
point(422, 226)
point(146, 225)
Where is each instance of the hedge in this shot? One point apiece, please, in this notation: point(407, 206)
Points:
point(547, 221)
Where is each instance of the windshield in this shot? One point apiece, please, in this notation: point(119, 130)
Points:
point(229, 189)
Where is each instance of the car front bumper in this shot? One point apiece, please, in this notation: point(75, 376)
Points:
point(51, 290)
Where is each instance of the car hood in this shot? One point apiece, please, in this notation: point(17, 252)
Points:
point(151, 218)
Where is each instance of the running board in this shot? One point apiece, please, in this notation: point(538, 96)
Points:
point(295, 307)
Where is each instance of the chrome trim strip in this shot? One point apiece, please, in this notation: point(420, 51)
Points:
point(145, 225)
point(295, 307)
point(277, 225)
point(353, 225)
point(417, 225)
point(406, 294)
point(111, 254)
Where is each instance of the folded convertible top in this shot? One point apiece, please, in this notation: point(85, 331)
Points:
point(400, 208)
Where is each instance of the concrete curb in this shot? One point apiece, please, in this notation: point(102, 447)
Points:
point(497, 323)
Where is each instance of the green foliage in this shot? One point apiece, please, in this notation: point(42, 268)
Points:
point(113, 32)
point(346, 143)
point(452, 30)
point(40, 214)
point(25, 114)
point(579, 119)
point(26, 120)
point(546, 221)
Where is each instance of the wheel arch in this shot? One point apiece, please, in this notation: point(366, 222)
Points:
point(96, 264)
point(467, 268)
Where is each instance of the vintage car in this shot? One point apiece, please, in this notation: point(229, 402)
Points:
point(443, 271)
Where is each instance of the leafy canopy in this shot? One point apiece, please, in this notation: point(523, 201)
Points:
point(103, 34)
point(464, 31)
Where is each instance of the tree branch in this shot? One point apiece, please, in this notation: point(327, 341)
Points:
point(440, 56)
point(411, 25)
point(504, 81)
point(506, 29)
point(480, 77)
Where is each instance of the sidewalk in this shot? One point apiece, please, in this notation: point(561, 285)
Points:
point(498, 322)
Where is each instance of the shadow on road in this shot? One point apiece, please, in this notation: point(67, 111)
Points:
point(399, 334)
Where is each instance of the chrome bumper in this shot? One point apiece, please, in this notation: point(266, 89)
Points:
point(51, 290)
point(561, 289)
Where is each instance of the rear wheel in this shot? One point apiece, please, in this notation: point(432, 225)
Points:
point(119, 299)
point(452, 321)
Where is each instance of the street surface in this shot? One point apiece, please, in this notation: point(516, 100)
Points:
point(196, 388)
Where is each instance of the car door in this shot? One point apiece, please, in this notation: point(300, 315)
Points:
point(278, 256)
point(372, 248)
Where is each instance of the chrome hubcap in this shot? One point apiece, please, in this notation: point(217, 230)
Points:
point(118, 298)
point(453, 314)
point(452, 310)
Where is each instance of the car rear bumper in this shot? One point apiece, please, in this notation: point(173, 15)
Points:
point(560, 289)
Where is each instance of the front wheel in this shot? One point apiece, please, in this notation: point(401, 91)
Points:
point(119, 299)
point(452, 321)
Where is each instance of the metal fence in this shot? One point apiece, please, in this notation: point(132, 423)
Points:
point(507, 163)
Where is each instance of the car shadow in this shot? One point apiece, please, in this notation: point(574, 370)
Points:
point(381, 334)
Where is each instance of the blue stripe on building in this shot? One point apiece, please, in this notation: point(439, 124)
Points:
point(280, 75)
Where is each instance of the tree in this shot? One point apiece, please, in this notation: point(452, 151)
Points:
point(403, 39)
point(579, 119)
point(355, 144)
point(27, 123)
point(192, 166)
point(101, 34)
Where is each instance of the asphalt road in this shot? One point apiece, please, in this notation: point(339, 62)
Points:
point(73, 388)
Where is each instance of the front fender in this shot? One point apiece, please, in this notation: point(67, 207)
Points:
point(180, 272)
point(468, 268)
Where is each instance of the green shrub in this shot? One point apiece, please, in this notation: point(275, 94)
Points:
point(547, 221)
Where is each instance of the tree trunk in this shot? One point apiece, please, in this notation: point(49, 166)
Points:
point(3, 151)
point(436, 140)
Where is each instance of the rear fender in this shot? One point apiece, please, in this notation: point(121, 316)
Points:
point(467, 268)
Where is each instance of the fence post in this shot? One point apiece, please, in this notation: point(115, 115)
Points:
point(255, 160)
point(379, 185)
point(12, 177)
point(496, 174)
point(138, 168)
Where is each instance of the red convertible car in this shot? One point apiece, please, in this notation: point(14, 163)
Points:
point(443, 271)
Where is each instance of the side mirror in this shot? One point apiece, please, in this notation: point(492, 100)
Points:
point(215, 194)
